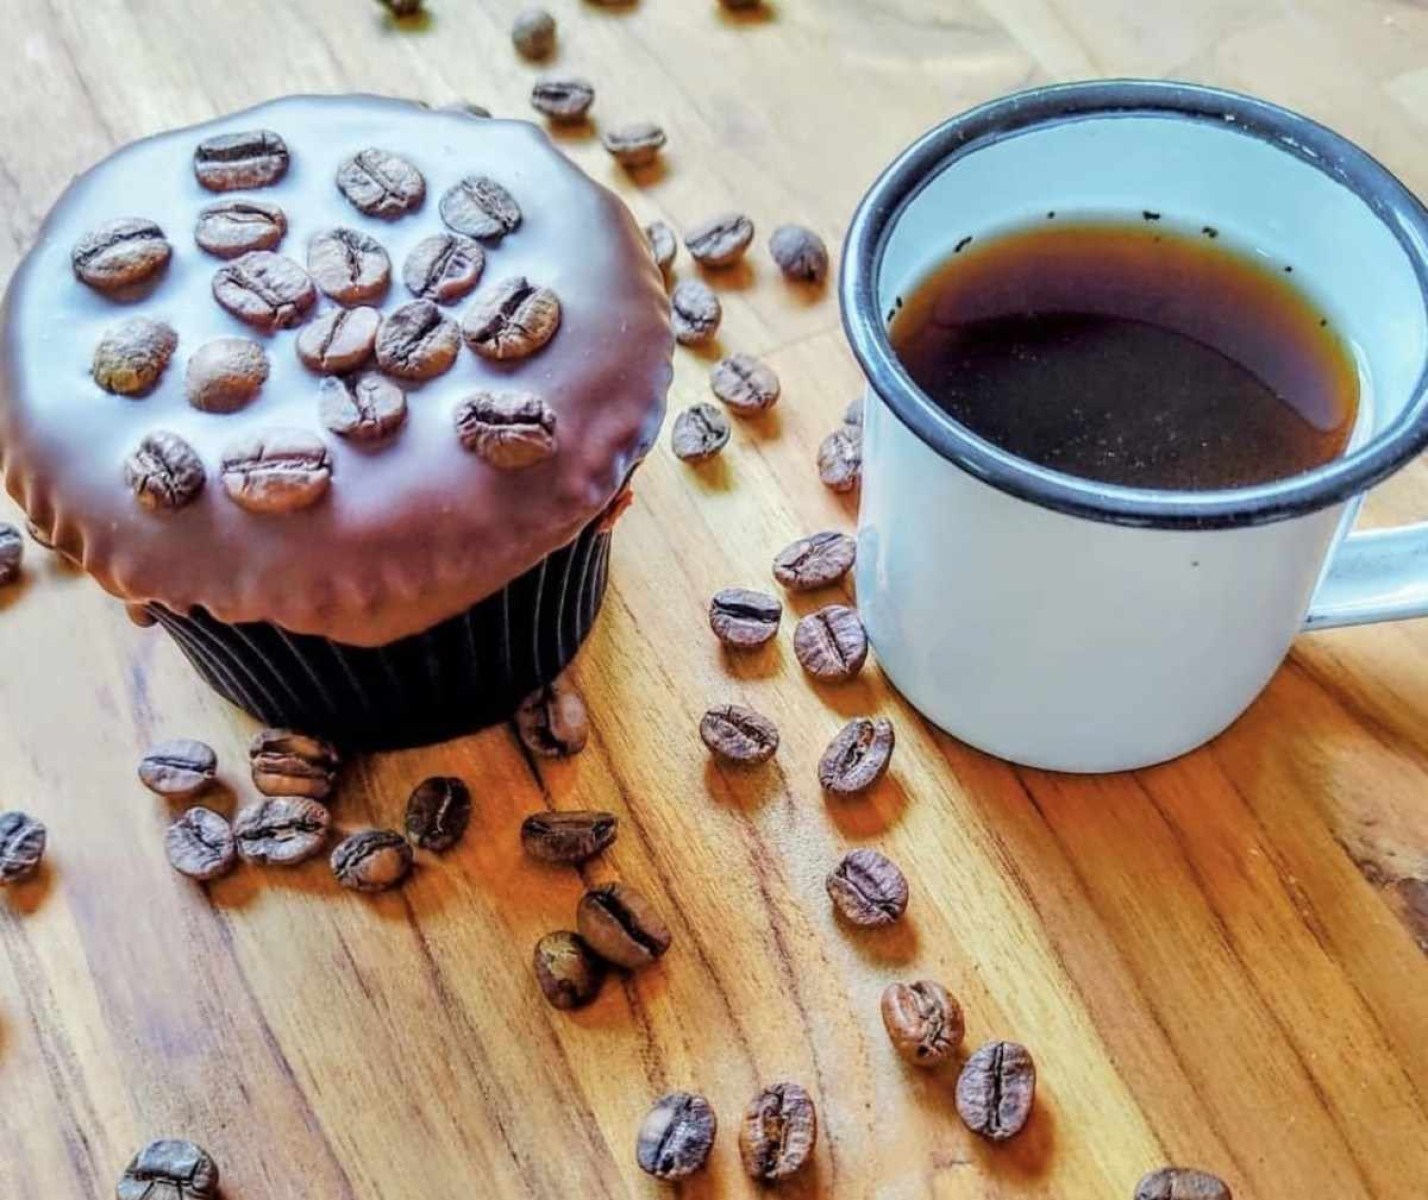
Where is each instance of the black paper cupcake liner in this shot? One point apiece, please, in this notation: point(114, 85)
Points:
point(463, 674)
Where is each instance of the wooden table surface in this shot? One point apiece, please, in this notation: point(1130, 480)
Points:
point(1219, 961)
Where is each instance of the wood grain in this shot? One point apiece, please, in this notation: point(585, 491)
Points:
point(1218, 961)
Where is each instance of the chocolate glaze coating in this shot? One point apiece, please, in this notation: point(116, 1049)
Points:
point(408, 535)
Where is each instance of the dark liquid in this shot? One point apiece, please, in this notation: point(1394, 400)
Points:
point(1131, 355)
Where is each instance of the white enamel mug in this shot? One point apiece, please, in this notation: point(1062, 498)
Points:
point(1079, 626)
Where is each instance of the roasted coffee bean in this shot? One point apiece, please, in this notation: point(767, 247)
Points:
point(739, 734)
point(342, 339)
point(200, 844)
point(799, 253)
point(443, 267)
point(923, 1021)
point(663, 244)
point(699, 433)
point(285, 763)
point(634, 145)
point(131, 356)
point(225, 374)
point(867, 888)
point(564, 101)
point(480, 208)
point(676, 1136)
point(276, 472)
point(22, 845)
point(233, 227)
point(533, 33)
point(721, 240)
point(831, 644)
point(239, 162)
point(511, 319)
point(744, 383)
point(568, 837)
point(466, 108)
point(552, 720)
point(508, 430)
point(264, 290)
point(12, 553)
point(417, 342)
point(996, 1089)
point(169, 1169)
point(840, 458)
point(858, 757)
point(381, 184)
point(165, 472)
point(778, 1132)
point(621, 926)
point(853, 414)
point(695, 312)
point(181, 767)
point(438, 812)
point(372, 860)
point(349, 265)
point(816, 561)
point(568, 971)
point(402, 8)
point(281, 830)
point(1181, 1183)
point(365, 408)
point(741, 617)
point(120, 254)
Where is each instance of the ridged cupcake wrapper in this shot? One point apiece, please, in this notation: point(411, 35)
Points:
point(468, 672)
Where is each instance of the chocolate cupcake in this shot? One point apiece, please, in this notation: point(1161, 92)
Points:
point(345, 394)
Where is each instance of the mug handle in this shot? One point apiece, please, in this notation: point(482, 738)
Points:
point(1376, 575)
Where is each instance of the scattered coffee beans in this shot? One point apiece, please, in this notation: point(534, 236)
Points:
point(22, 846)
point(778, 1132)
point(663, 244)
point(676, 1136)
point(533, 33)
point(635, 145)
point(508, 430)
point(438, 812)
point(868, 889)
point(200, 844)
point(552, 720)
point(480, 208)
point(568, 972)
point(165, 472)
point(570, 837)
point(858, 757)
point(225, 374)
point(120, 254)
point(830, 644)
point(277, 472)
point(182, 767)
point(342, 339)
point(564, 101)
point(816, 561)
point(233, 227)
point(372, 860)
point(381, 184)
point(699, 433)
point(720, 241)
point(923, 1021)
point(281, 830)
point(1181, 1183)
point(739, 734)
point(695, 312)
point(239, 162)
point(853, 414)
point(169, 1169)
point(745, 384)
point(131, 356)
point(443, 267)
point(417, 342)
point(264, 290)
point(995, 1090)
point(349, 265)
point(742, 618)
point(285, 763)
point(621, 926)
point(511, 319)
point(365, 408)
point(799, 253)
point(12, 553)
point(840, 459)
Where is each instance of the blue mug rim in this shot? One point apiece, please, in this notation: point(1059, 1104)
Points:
point(1290, 132)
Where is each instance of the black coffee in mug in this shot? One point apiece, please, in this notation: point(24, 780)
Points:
point(1131, 354)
